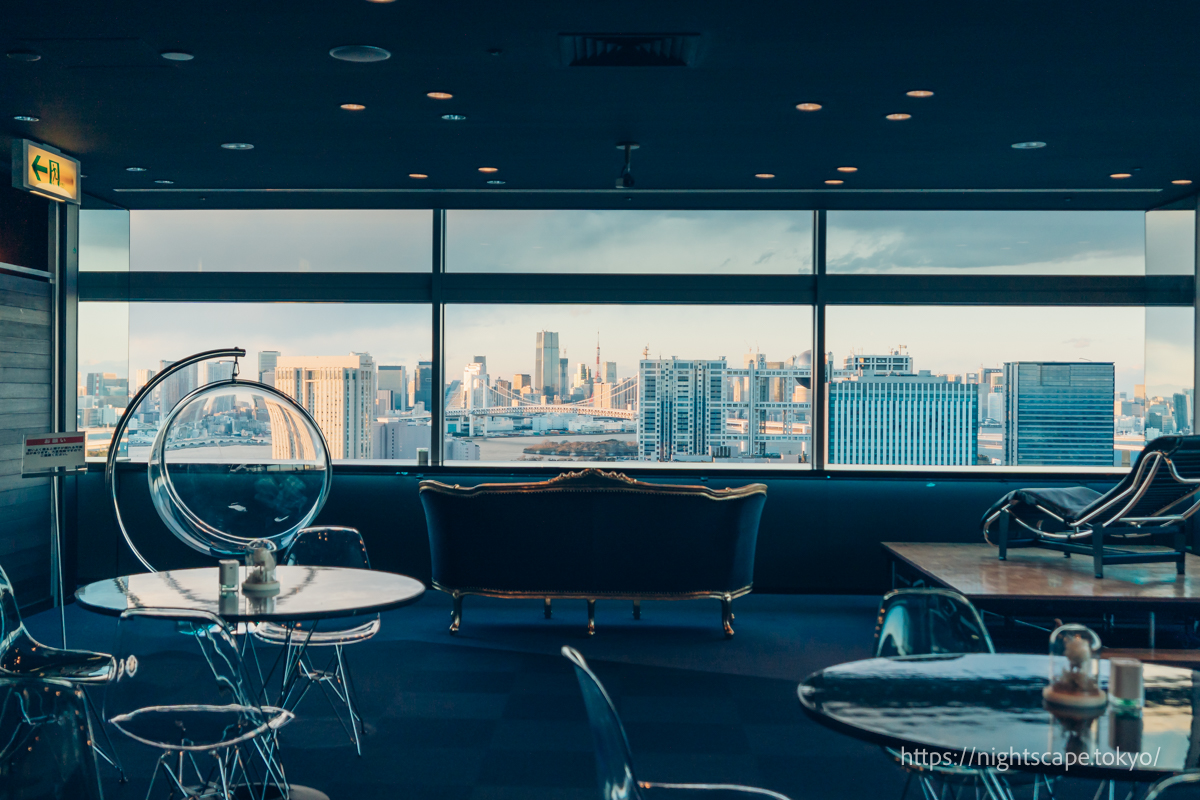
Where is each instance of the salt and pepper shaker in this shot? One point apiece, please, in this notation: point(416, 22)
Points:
point(229, 575)
point(1126, 691)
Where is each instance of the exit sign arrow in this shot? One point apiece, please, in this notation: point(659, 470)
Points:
point(36, 167)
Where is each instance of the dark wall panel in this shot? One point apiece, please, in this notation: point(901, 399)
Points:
point(24, 229)
point(25, 407)
point(818, 535)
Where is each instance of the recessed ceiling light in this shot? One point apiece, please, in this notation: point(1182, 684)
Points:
point(1028, 145)
point(496, 183)
point(27, 118)
point(489, 169)
point(166, 182)
point(418, 175)
point(381, 1)
point(353, 106)
point(835, 182)
point(1181, 182)
point(847, 169)
point(177, 55)
point(24, 55)
point(238, 146)
point(439, 95)
point(454, 117)
point(920, 93)
point(897, 117)
point(360, 53)
point(808, 106)
point(764, 175)
point(135, 169)
point(1120, 175)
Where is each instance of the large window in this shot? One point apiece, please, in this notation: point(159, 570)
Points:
point(676, 242)
point(987, 242)
point(945, 340)
point(640, 383)
point(960, 386)
point(358, 368)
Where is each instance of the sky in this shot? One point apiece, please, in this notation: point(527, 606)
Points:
point(957, 339)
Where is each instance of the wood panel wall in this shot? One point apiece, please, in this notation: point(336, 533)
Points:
point(25, 397)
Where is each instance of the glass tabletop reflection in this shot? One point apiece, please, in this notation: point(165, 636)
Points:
point(975, 704)
point(305, 593)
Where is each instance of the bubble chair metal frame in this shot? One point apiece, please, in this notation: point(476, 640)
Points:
point(235, 545)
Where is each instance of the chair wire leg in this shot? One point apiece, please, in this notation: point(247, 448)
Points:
point(907, 782)
point(109, 754)
point(351, 700)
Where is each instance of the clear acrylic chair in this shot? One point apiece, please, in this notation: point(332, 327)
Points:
point(22, 656)
point(1185, 786)
point(181, 687)
point(921, 622)
point(918, 622)
point(324, 546)
point(614, 764)
point(46, 741)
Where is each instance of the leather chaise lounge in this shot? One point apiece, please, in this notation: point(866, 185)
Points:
point(593, 535)
point(1150, 506)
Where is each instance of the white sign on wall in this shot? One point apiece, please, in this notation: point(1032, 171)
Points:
point(49, 451)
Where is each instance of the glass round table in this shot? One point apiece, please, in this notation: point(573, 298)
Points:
point(982, 710)
point(305, 593)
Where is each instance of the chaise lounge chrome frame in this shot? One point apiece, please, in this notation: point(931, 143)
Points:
point(1105, 517)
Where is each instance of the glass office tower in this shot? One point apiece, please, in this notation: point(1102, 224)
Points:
point(1058, 413)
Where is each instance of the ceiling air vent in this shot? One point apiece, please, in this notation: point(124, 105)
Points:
point(628, 50)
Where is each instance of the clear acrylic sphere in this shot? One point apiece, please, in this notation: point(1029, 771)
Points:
point(235, 462)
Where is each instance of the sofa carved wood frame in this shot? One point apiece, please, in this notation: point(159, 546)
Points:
point(620, 539)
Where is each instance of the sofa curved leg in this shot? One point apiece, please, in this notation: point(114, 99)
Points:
point(637, 609)
point(591, 617)
point(546, 609)
point(727, 614)
point(456, 614)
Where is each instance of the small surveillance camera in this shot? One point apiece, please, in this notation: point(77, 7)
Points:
point(625, 181)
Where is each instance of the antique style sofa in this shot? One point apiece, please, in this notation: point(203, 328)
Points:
point(593, 535)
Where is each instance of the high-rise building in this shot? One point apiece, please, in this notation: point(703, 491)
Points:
point(423, 384)
point(213, 371)
point(610, 372)
point(266, 361)
point(675, 397)
point(545, 364)
point(995, 406)
point(923, 419)
point(564, 377)
point(141, 377)
point(399, 439)
point(693, 409)
point(96, 382)
point(1181, 412)
point(1059, 413)
point(339, 393)
point(174, 388)
point(395, 380)
point(520, 383)
point(896, 361)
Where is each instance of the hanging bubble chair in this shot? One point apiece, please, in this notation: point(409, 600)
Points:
point(234, 462)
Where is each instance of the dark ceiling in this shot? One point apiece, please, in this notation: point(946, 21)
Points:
point(1110, 87)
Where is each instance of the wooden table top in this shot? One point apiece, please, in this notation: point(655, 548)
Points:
point(974, 570)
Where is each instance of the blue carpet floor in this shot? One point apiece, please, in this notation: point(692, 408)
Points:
point(495, 713)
